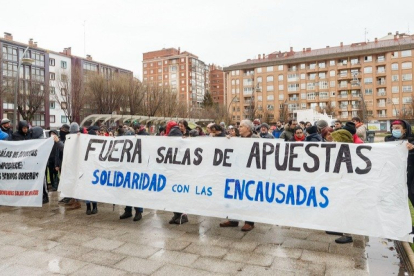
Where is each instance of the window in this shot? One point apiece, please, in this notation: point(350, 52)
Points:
point(269, 78)
point(302, 66)
point(302, 76)
point(259, 70)
point(395, 100)
point(280, 77)
point(269, 69)
point(52, 90)
point(406, 65)
point(259, 79)
point(52, 104)
point(407, 88)
point(394, 66)
point(269, 88)
point(52, 62)
point(406, 53)
point(293, 87)
point(145, 65)
point(367, 58)
point(332, 83)
point(281, 87)
point(310, 96)
point(312, 76)
point(395, 89)
point(269, 107)
point(280, 97)
point(310, 86)
point(312, 66)
point(270, 97)
point(368, 80)
point(354, 61)
point(323, 85)
point(38, 120)
point(63, 91)
point(52, 119)
point(367, 70)
point(407, 100)
point(332, 62)
point(381, 58)
point(303, 96)
point(321, 65)
point(159, 70)
point(10, 53)
point(63, 105)
point(368, 91)
point(407, 77)
point(52, 76)
point(63, 64)
point(259, 98)
point(280, 68)
point(322, 75)
point(39, 59)
point(303, 86)
point(332, 73)
point(394, 77)
point(63, 119)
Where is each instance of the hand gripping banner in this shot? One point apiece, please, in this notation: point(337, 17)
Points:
point(22, 171)
point(350, 188)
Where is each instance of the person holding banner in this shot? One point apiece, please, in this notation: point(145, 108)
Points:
point(5, 127)
point(287, 134)
point(22, 132)
point(400, 131)
point(299, 135)
point(246, 131)
point(3, 135)
point(55, 160)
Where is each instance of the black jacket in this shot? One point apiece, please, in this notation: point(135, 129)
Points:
point(314, 137)
point(175, 131)
point(9, 131)
point(19, 135)
point(408, 136)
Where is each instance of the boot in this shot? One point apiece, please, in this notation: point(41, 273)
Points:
point(75, 205)
point(88, 209)
point(45, 199)
point(94, 208)
point(174, 218)
point(138, 216)
point(55, 184)
point(126, 215)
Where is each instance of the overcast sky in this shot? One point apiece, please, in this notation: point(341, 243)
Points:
point(223, 32)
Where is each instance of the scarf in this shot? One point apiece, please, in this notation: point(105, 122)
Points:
point(299, 139)
point(358, 124)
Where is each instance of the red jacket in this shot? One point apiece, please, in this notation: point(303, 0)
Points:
point(357, 140)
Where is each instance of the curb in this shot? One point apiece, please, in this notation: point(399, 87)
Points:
point(409, 252)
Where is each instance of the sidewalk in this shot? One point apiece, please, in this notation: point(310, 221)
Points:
point(36, 241)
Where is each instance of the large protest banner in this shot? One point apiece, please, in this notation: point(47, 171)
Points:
point(359, 189)
point(22, 171)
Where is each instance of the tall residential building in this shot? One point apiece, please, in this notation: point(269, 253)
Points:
point(51, 72)
point(182, 72)
point(368, 79)
point(217, 83)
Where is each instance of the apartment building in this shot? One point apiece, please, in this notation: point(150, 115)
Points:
point(181, 72)
point(56, 72)
point(217, 83)
point(368, 79)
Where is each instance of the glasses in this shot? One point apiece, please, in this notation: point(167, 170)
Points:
point(299, 132)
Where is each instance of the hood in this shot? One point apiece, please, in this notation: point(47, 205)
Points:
point(21, 125)
point(74, 128)
point(170, 124)
point(36, 132)
point(92, 130)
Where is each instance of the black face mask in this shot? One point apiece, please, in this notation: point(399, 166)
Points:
point(62, 135)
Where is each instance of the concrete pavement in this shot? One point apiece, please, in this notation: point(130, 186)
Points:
point(47, 240)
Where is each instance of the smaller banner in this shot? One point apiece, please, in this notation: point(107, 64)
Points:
point(22, 171)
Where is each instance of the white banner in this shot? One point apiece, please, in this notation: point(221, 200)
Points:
point(22, 171)
point(359, 189)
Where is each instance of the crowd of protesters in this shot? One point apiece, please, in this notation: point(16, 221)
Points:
point(353, 131)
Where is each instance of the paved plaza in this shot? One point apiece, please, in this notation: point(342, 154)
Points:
point(47, 240)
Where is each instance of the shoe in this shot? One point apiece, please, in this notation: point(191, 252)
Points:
point(344, 239)
point(334, 233)
point(125, 215)
point(64, 200)
point(88, 212)
point(94, 211)
point(88, 209)
point(181, 219)
point(54, 189)
point(70, 202)
point(94, 208)
point(229, 223)
point(45, 200)
point(75, 206)
point(174, 218)
point(138, 216)
point(247, 227)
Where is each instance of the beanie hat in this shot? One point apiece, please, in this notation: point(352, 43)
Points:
point(342, 135)
point(74, 128)
point(65, 127)
point(5, 121)
point(54, 132)
point(265, 125)
point(397, 122)
point(312, 129)
point(350, 126)
point(321, 124)
point(193, 132)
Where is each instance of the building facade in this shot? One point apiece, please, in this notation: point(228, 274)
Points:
point(181, 72)
point(217, 84)
point(372, 80)
point(57, 73)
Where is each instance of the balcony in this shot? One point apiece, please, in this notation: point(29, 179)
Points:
point(293, 99)
point(343, 76)
point(343, 95)
point(341, 64)
point(343, 107)
point(380, 60)
point(381, 83)
point(381, 94)
point(355, 65)
point(381, 105)
point(356, 106)
point(382, 115)
point(381, 72)
point(292, 69)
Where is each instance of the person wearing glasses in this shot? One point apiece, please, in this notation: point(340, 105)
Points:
point(298, 135)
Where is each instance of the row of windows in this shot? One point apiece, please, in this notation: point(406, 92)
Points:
point(63, 64)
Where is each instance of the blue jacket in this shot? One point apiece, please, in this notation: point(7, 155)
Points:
point(3, 135)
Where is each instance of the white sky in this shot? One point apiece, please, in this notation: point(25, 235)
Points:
point(223, 32)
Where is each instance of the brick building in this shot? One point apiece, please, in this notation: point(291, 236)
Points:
point(368, 79)
point(217, 83)
point(182, 72)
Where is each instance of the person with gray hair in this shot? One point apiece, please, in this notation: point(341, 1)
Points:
point(321, 124)
point(246, 131)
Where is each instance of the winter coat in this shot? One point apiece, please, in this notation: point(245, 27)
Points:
point(287, 134)
point(266, 135)
point(408, 136)
point(175, 131)
point(314, 137)
point(361, 131)
point(277, 132)
point(8, 131)
point(357, 140)
point(3, 135)
point(19, 135)
point(142, 132)
point(56, 155)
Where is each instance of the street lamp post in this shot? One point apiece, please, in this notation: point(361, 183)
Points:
point(22, 61)
point(256, 88)
point(232, 100)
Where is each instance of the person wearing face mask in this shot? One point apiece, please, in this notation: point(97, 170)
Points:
point(401, 130)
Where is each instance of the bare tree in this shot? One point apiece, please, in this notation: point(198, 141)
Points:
point(134, 96)
point(31, 98)
point(153, 98)
point(284, 112)
point(170, 104)
point(330, 110)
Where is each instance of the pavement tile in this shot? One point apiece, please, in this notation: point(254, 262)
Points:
point(206, 250)
point(217, 265)
point(103, 244)
point(228, 232)
point(346, 249)
point(137, 265)
point(326, 258)
point(341, 271)
point(11, 238)
point(300, 267)
point(136, 250)
point(174, 257)
point(101, 257)
point(263, 271)
point(93, 269)
point(305, 244)
point(278, 251)
point(10, 250)
point(263, 238)
point(34, 244)
point(322, 237)
point(64, 265)
point(69, 251)
point(169, 244)
point(19, 269)
point(295, 233)
point(176, 270)
point(249, 257)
